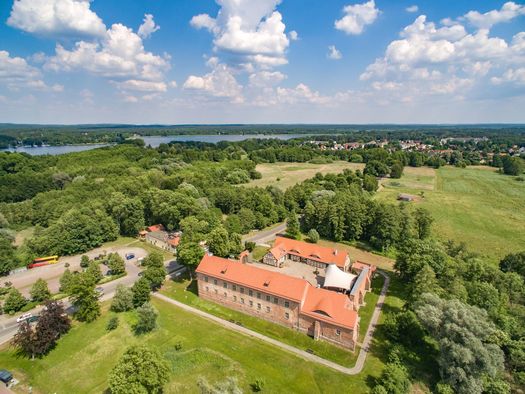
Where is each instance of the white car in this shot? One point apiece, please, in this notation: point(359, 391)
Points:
point(24, 317)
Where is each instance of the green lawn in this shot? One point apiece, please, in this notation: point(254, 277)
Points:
point(178, 291)
point(284, 175)
point(475, 205)
point(259, 252)
point(83, 358)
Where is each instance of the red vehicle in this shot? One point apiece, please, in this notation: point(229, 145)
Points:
point(42, 261)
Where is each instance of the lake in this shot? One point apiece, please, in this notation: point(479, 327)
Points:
point(154, 141)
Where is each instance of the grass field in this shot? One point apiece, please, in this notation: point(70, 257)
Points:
point(83, 358)
point(475, 205)
point(291, 173)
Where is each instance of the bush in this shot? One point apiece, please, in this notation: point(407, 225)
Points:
point(39, 291)
point(249, 245)
point(14, 301)
point(112, 323)
point(313, 236)
point(257, 385)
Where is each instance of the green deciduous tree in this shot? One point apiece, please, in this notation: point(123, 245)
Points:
point(292, 225)
point(394, 379)
point(415, 254)
point(465, 338)
point(155, 276)
point(396, 170)
point(123, 299)
point(147, 319)
point(139, 370)
point(313, 236)
point(66, 281)
point(93, 271)
point(189, 254)
point(422, 222)
point(127, 212)
point(14, 301)
point(116, 264)
point(141, 292)
point(219, 242)
point(512, 165)
point(85, 298)
point(39, 291)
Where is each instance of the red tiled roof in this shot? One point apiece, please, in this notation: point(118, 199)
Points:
point(307, 250)
point(156, 227)
point(321, 304)
point(330, 307)
point(359, 265)
point(253, 277)
point(174, 241)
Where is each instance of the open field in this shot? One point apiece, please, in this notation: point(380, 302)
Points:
point(291, 173)
point(475, 205)
point(83, 358)
point(381, 262)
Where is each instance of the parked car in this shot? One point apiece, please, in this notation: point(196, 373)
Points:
point(100, 291)
point(130, 256)
point(24, 317)
point(5, 376)
point(140, 260)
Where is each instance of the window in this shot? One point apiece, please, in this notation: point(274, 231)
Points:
point(234, 288)
point(225, 294)
point(275, 300)
point(267, 309)
point(259, 295)
point(207, 288)
point(242, 300)
point(337, 332)
point(268, 298)
point(242, 290)
point(235, 298)
point(205, 279)
point(215, 281)
point(286, 304)
point(286, 315)
point(250, 293)
point(251, 303)
point(259, 306)
point(225, 285)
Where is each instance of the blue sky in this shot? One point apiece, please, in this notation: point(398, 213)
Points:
point(269, 61)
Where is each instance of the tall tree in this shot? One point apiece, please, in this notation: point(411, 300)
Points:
point(139, 370)
point(141, 290)
point(147, 319)
point(292, 225)
point(123, 299)
point(39, 291)
point(66, 281)
point(116, 264)
point(85, 298)
point(219, 242)
point(423, 221)
point(14, 301)
point(465, 335)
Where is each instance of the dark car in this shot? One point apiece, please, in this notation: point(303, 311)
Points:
point(130, 256)
point(5, 376)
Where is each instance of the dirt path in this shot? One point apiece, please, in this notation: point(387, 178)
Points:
point(363, 352)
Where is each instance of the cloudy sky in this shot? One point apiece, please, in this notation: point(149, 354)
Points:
point(264, 61)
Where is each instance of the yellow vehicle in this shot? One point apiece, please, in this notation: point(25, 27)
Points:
point(41, 261)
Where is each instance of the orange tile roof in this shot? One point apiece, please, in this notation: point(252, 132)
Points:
point(174, 241)
point(330, 307)
point(255, 278)
point(307, 250)
point(321, 304)
point(359, 265)
point(156, 227)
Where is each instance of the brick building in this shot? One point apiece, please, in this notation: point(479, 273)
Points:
point(289, 301)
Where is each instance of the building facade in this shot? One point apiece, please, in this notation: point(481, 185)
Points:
point(282, 299)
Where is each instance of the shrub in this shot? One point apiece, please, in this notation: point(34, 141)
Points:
point(147, 319)
point(257, 385)
point(112, 323)
point(249, 245)
point(313, 236)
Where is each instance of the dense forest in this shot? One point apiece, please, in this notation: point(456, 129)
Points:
point(466, 316)
point(36, 135)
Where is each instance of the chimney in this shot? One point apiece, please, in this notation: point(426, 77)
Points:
point(335, 252)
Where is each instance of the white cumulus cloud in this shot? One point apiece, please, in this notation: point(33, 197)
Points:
point(508, 11)
point(16, 73)
point(334, 53)
point(148, 26)
point(56, 17)
point(250, 32)
point(357, 16)
point(220, 82)
point(412, 8)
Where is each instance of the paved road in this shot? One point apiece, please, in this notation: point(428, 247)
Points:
point(265, 236)
point(365, 348)
point(52, 273)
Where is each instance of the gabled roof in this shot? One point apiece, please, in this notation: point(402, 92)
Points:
point(321, 304)
point(253, 277)
point(156, 227)
point(360, 281)
point(323, 254)
point(330, 307)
